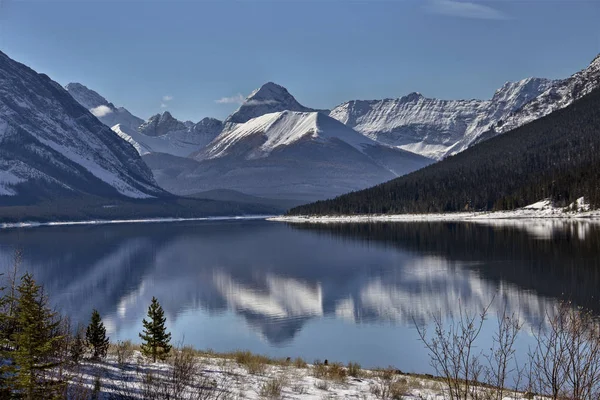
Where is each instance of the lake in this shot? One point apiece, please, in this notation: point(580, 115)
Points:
point(340, 292)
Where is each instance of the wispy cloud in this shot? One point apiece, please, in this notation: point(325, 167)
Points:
point(100, 111)
point(464, 9)
point(237, 99)
point(167, 97)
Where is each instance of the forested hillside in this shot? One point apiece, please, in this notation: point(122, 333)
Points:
point(554, 157)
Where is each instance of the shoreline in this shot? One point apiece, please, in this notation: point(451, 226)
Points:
point(34, 224)
point(480, 217)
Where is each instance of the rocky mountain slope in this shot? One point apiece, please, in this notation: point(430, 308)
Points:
point(433, 127)
point(50, 144)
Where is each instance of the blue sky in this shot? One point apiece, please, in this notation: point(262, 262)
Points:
point(185, 56)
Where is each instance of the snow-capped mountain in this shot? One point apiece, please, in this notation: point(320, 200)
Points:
point(269, 98)
point(286, 154)
point(561, 94)
point(433, 127)
point(161, 124)
point(50, 144)
point(180, 139)
point(106, 112)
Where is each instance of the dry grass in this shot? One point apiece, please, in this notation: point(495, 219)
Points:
point(272, 388)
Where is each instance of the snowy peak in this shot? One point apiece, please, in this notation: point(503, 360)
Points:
point(162, 133)
point(521, 92)
point(161, 124)
point(86, 97)
point(208, 126)
point(282, 128)
point(269, 98)
point(557, 96)
point(101, 108)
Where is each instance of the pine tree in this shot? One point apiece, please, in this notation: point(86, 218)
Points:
point(34, 342)
point(96, 336)
point(155, 336)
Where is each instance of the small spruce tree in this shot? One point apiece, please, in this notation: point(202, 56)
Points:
point(78, 346)
point(95, 335)
point(155, 336)
point(34, 342)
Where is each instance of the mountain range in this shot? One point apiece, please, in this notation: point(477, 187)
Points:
point(274, 146)
point(555, 157)
point(72, 142)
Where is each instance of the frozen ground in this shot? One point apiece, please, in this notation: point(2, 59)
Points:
point(222, 378)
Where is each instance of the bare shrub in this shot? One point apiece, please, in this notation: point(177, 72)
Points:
point(300, 363)
point(272, 388)
point(501, 359)
point(388, 385)
point(124, 352)
point(452, 351)
point(566, 360)
point(354, 369)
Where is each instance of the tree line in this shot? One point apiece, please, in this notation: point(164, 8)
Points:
point(556, 157)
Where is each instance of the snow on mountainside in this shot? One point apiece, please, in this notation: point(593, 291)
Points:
point(50, 144)
point(181, 142)
point(283, 129)
point(433, 127)
point(558, 96)
point(106, 112)
point(269, 98)
point(287, 154)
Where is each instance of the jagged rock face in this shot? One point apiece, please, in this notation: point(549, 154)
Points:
point(182, 139)
point(161, 124)
point(559, 95)
point(51, 145)
point(269, 98)
point(105, 111)
point(434, 127)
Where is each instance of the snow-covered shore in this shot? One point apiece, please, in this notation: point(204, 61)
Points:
point(542, 210)
point(218, 377)
point(33, 224)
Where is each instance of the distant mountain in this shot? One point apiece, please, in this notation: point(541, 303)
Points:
point(106, 112)
point(164, 134)
point(432, 127)
point(50, 145)
point(286, 154)
point(269, 98)
point(554, 157)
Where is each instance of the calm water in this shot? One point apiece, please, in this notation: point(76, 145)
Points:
point(337, 292)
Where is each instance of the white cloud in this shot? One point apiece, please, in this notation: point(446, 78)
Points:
point(254, 102)
point(237, 99)
point(163, 105)
point(100, 111)
point(465, 9)
point(167, 97)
